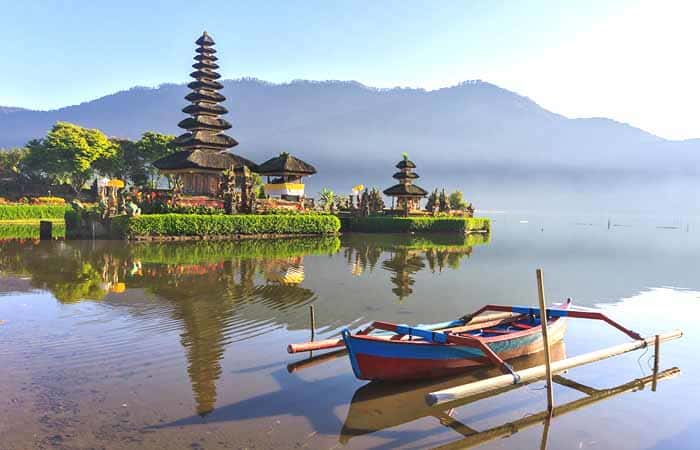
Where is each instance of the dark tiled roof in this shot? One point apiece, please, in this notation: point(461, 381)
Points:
point(403, 189)
point(285, 163)
point(202, 159)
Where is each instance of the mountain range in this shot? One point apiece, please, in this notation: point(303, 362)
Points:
point(353, 133)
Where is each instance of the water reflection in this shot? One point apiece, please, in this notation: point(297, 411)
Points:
point(406, 256)
point(217, 292)
point(379, 406)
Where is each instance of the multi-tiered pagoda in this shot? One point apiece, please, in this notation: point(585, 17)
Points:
point(407, 196)
point(204, 147)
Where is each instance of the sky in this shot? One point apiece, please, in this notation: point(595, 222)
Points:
point(635, 61)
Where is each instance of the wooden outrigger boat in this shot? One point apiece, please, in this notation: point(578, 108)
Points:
point(401, 352)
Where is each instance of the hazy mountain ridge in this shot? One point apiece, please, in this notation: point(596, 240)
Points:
point(471, 128)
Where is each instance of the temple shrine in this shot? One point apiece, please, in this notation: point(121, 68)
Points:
point(405, 195)
point(203, 154)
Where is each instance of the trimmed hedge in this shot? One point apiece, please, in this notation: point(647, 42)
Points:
point(19, 212)
point(223, 225)
point(380, 224)
point(28, 230)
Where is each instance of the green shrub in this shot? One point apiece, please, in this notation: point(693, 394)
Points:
point(18, 212)
point(223, 225)
point(163, 208)
point(418, 224)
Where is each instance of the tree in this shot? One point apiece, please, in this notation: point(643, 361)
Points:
point(457, 201)
point(326, 198)
point(68, 153)
point(116, 163)
point(11, 165)
point(444, 205)
point(376, 202)
point(432, 202)
point(151, 147)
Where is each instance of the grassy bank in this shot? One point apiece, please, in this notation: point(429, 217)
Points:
point(213, 226)
point(380, 224)
point(28, 212)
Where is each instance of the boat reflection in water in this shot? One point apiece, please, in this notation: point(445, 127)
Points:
point(380, 406)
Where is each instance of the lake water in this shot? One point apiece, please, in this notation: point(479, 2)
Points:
point(183, 345)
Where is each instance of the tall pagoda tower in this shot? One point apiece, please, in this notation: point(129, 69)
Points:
point(204, 147)
point(405, 194)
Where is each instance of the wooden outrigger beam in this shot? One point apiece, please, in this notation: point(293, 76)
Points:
point(315, 360)
point(511, 428)
point(539, 372)
point(555, 312)
point(459, 326)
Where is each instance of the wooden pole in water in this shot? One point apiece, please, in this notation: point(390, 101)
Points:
point(539, 372)
point(657, 346)
point(545, 430)
point(45, 230)
point(313, 322)
point(545, 340)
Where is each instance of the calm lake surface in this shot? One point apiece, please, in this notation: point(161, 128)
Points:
point(183, 345)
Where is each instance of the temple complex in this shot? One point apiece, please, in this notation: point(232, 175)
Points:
point(204, 147)
point(405, 196)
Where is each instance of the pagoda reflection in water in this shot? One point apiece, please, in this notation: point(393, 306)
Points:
point(219, 293)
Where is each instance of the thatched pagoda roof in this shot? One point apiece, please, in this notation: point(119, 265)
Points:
point(205, 96)
point(204, 123)
point(205, 109)
point(205, 73)
point(408, 190)
point(205, 64)
point(202, 159)
point(205, 50)
point(285, 164)
point(405, 176)
point(206, 58)
point(204, 145)
point(205, 40)
point(199, 139)
point(406, 164)
point(205, 84)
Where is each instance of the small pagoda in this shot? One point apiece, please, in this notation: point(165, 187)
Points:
point(284, 174)
point(204, 147)
point(405, 196)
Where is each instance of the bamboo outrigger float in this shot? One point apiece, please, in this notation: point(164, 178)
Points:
point(472, 438)
point(539, 372)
